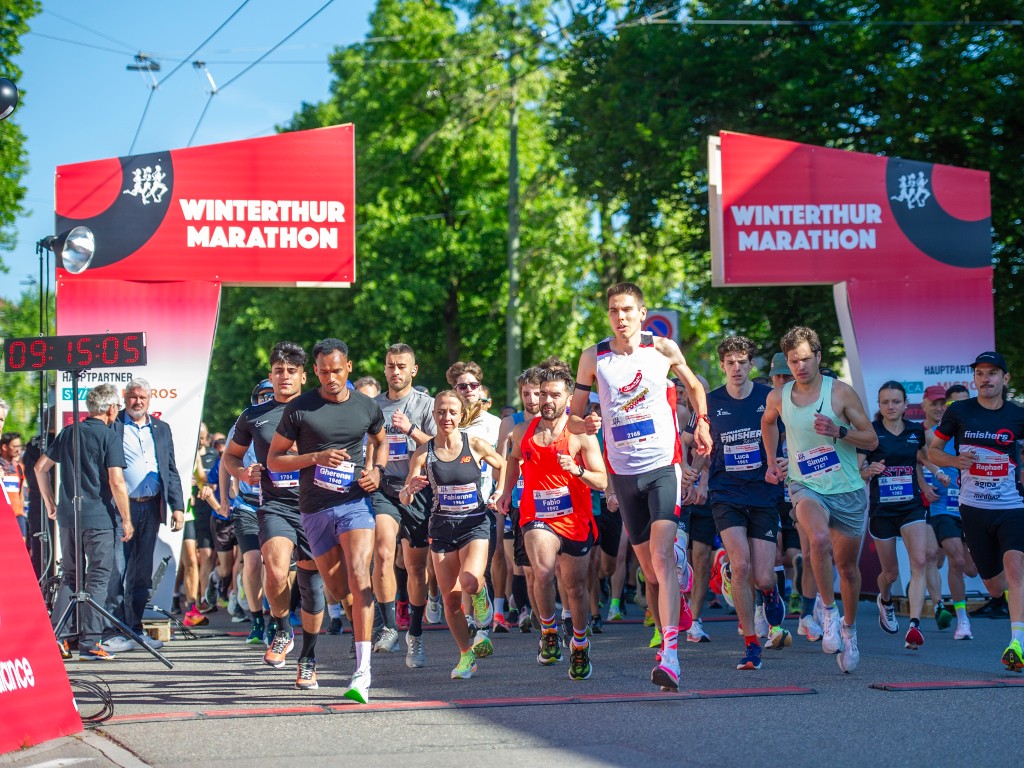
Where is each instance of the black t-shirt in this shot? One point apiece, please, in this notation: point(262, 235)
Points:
point(206, 462)
point(896, 491)
point(316, 424)
point(100, 448)
point(992, 482)
point(257, 426)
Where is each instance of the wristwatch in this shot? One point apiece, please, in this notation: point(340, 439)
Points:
point(381, 468)
point(581, 472)
point(843, 431)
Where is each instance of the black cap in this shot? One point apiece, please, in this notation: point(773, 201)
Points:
point(992, 358)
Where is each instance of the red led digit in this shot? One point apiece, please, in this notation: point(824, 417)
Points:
point(38, 350)
point(134, 353)
point(16, 354)
point(84, 353)
point(110, 350)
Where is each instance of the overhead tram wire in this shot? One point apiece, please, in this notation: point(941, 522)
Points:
point(277, 45)
point(96, 32)
point(209, 37)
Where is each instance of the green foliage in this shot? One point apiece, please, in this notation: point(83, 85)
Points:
point(21, 390)
point(14, 16)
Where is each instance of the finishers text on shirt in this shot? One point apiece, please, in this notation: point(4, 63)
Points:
point(638, 407)
point(992, 480)
point(896, 491)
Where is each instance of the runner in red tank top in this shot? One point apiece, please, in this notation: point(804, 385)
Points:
point(559, 470)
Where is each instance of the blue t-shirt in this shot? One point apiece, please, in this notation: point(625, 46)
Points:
point(948, 502)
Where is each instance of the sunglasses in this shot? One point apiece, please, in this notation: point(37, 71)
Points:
point(471, 385)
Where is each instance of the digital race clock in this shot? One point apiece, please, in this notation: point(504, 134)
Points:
point(69, 353)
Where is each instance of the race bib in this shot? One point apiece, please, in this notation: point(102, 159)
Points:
point(284, 479)
point(12, 483)
point(742, 456)
point(398, 448)
point(632, 429)
point(818, 461)
point(552, 503)
point(990, 465)
point(335, 478)
point(455, 499)
point(989, 483)
point(953, 498)
point(896, 487)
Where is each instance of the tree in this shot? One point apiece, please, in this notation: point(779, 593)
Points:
point(14, 16)
point(21, 390)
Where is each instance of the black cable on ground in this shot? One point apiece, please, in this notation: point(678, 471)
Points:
point(92, 698)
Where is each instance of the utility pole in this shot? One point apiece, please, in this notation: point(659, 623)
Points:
point(513, 328)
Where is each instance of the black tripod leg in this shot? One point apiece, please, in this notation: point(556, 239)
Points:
point(125, 630)
point(64, 619)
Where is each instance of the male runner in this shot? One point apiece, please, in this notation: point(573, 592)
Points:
point(825, 425)
point(745, 506)
point(643, 448)
point(985, 430)
point(559, 470)
point(280, 526)
point(409, 422)
point(327, 426)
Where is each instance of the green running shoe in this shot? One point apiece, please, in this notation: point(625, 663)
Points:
point(1013, 657)
point(483, 610)
point(466, 667)
point(482, 646)
point(580, 667)
point(550, 651)
point(656, 639)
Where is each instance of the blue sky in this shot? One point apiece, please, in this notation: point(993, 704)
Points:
point(79, 102)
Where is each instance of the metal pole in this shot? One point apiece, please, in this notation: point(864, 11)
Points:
point(513, 328)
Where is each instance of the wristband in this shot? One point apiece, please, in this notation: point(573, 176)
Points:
point(409, 432)
point(703, 417)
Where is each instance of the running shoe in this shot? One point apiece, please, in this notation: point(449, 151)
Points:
point(685, 614)
point(272, 627)
point(65, 651)
point(336, 627)
point(526, 620)
point(176, 605)
point(887, 616)
point(238, 615)
point(206, 606)
point(727, 583)
point(434, 611)
point(466, 667)
point(195, 618)
point(402, 615)
point(1013, 657)
point(795, 602)
point(615, 614)
point(416, 655)
point(232, 605)
point(483, 609)
point(849, 657)
point(359, 688)
point(305, 680)
point(256, 633)
point(943, 618)
point(565, 631)
point(696, 633)
point(648, 618)
point(963, 630)
point(500, 624)
point(152, 642)
point(535, 622)
point(549, 649)
point(751, 657)
point(580, 667)
point(283, 642)
point(640, 596)
point(993, 608)
point(387, 641)
point(482, 645)
point(914, 638)
point(761, 623)
point(779, 638)
point(666, 674)
point(596, 624)
point(819, 610)
point(656, 638)
point(513, 617)
point(774, 609)
point(352, 648)
point(831, 638)
point(118, 644)
point(99, 653)
point(809, 628)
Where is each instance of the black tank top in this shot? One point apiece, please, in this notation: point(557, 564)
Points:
point(456, 483)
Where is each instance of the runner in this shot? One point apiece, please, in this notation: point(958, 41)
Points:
point(528, 384)
point(559, 470)
point(643, 449)
point(985, 430)
point(458, 527)
point(825, 425)
point(894, 471)
point(409, 422)
point(327, 426)
point(743, 503)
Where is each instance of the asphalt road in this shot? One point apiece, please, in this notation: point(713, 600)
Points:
point(222, 705)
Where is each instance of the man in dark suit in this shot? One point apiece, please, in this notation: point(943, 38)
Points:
point(154, 486)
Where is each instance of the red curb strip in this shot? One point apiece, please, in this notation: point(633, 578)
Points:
point(946, 685)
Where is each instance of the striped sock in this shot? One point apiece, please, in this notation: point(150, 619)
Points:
point(961, 609)
point(547, 623)
point(669, 638)
point(579, 637)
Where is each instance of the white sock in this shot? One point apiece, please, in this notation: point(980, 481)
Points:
point(961, 614)
point(334, 610)
point(499, 605)
point(363, 652)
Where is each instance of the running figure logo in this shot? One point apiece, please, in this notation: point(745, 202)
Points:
point(913, 190)
point(148, 185)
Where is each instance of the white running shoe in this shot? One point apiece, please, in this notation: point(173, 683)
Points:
point(887, 616)
point(810, 629)
point(696, 633)
point(416, 655)
point(779, 638)
point(761, 626)
point(963, 630)
point(831, 638)
point(849, 657)
point(434, 612)
point(359, 689)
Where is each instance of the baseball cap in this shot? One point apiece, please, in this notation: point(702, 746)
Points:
point(780, 366)
point(992, 358)
point(934, 392)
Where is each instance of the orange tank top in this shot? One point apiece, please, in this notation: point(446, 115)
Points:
point(550, 494)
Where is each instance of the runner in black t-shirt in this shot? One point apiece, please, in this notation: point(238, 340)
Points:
point(327, 427)
point(894, 472)
point(280, 525)
point(985, 431)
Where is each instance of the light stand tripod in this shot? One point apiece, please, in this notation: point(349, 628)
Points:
point(81, 597)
